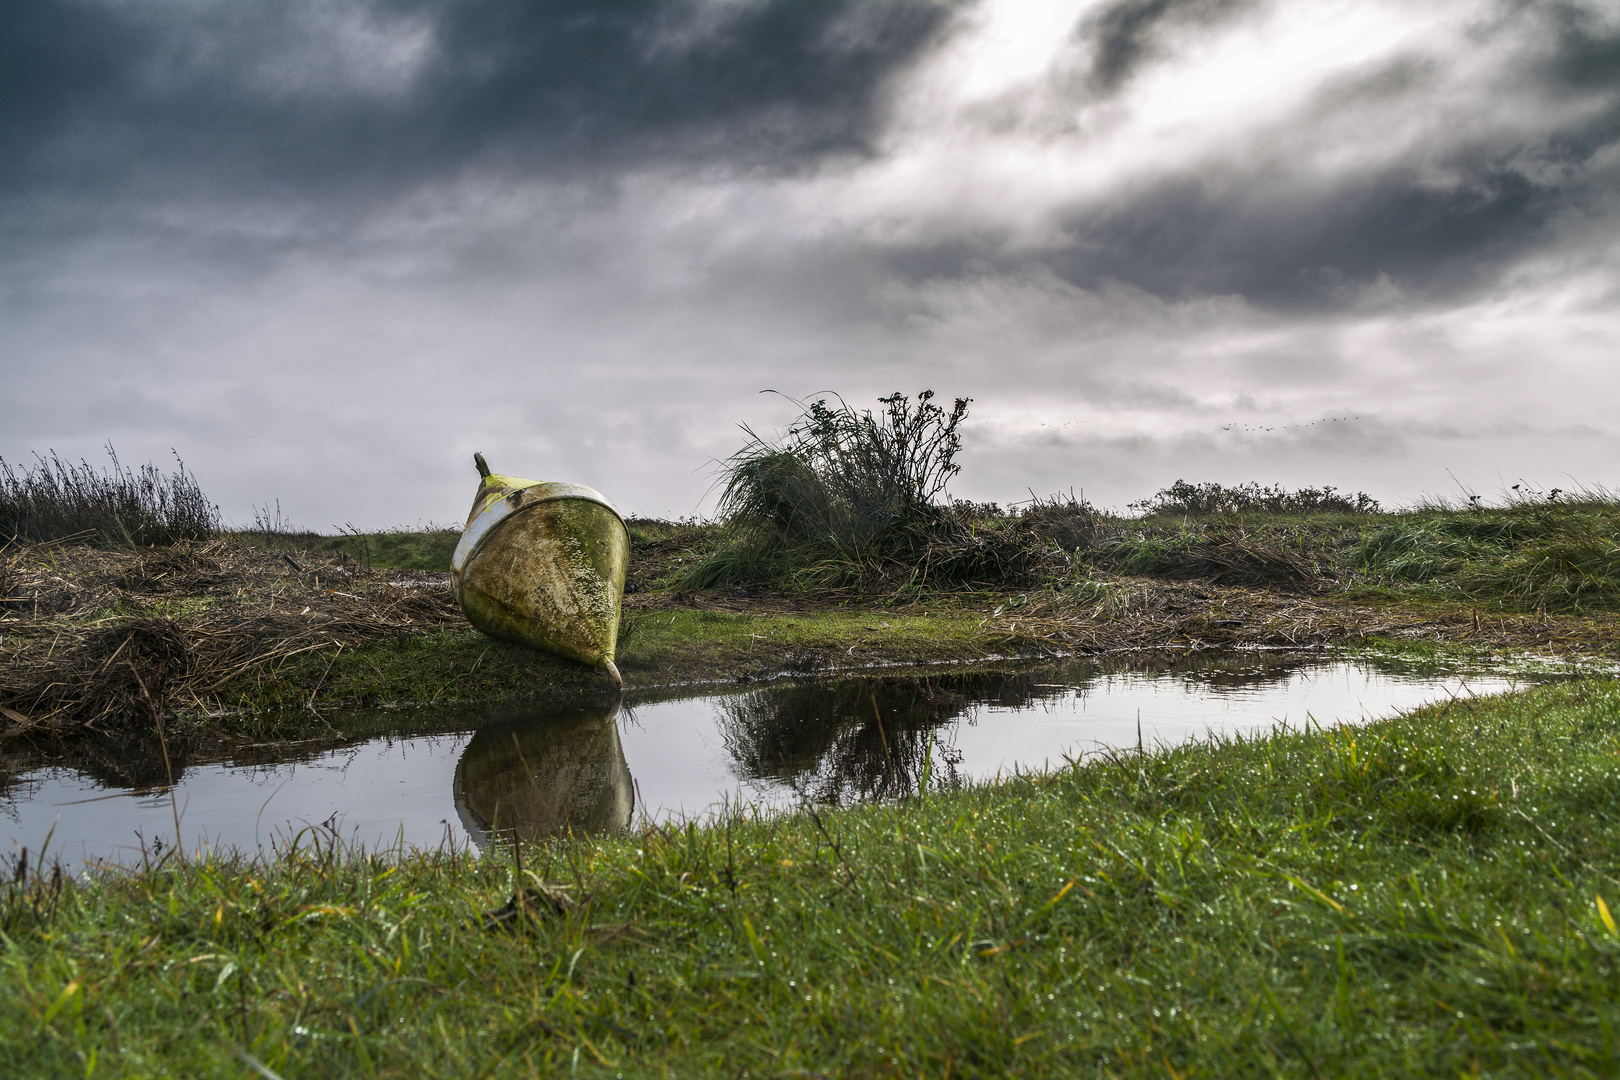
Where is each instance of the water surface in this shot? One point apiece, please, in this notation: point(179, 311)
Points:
point(589, 770)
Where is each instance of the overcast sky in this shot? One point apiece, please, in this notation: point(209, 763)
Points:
point(326, 249)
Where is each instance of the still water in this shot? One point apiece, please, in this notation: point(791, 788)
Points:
point(837, 741)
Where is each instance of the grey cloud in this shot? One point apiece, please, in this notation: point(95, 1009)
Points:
point(371, 95)
point(1183, 238)
point(1589, 53)
point(292, 237)
point(1442, 221)
point(1123, 33)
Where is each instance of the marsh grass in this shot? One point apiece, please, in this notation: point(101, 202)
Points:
point(1277, 557)
point(832, 506)
point(55, 499)
point(1243, 534)
point(424, 547)
point(1560, 556)
point(1533, 554)
point(1430, 895)
point(108, 643)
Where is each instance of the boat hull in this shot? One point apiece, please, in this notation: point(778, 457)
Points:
point(544, 564)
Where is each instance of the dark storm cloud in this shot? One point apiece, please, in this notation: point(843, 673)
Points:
point(1586, 57)
point(1306, 248)
point(1293, 249)
point(1123, 33)
point(376, 94)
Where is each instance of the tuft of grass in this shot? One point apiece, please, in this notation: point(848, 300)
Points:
point(1431, 895)
point(1070, 524)
point(1430, 546)
point(1549, 556)
point(118, 507)
point(1567, 571)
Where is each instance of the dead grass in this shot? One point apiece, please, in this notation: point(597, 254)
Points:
point(103, 641)
point(662, 551)
point(1125, 613)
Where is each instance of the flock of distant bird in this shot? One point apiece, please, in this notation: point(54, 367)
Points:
point(1287, 427)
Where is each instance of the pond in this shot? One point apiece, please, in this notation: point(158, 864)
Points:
point(774, 747)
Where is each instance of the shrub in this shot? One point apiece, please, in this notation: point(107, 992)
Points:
point(845, 475)
point(1192, 500)
point(847, 495)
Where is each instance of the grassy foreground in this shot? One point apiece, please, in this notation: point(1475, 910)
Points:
point(1426, 896)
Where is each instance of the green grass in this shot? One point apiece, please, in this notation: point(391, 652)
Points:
point(399, 549)
point(1523, 558)
point(1558, 556)
point(1425, 896)
point(396, 549)
point(657, 648)
point(1426, 548)
point(1554, 556)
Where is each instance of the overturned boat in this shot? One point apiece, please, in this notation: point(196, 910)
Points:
point(543, 563)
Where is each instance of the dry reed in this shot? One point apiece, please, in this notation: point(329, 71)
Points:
point(93, 640)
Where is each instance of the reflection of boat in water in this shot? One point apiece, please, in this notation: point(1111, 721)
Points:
point(545, 776)
point(543, 563)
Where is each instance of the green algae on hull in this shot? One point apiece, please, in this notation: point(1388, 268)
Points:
point(543, 563)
